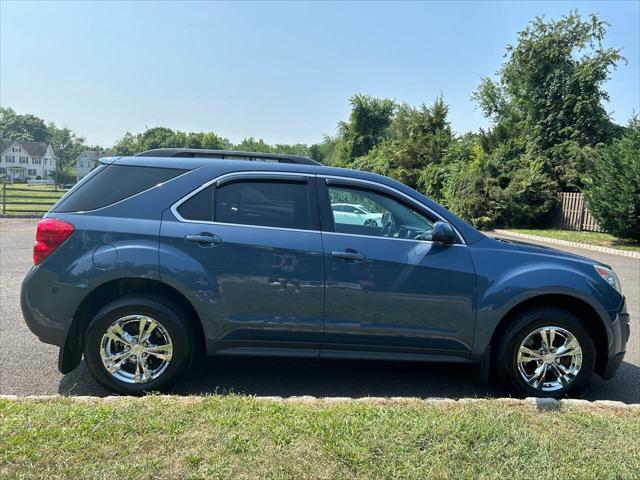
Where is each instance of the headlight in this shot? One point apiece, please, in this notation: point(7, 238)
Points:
point(609, 276)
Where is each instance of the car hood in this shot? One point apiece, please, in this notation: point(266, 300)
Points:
point(543, 250)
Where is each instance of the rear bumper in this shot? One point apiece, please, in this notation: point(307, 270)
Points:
point(37, 295)
point(621, 331)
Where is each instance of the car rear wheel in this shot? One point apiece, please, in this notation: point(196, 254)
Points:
point(546, 352)
point(138, 344)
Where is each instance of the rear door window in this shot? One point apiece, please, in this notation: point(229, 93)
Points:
point(112, 184)
point(268, 203)
point(199, 207)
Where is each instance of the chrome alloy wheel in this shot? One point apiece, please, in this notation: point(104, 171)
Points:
point(549, 358)
point(136, 349)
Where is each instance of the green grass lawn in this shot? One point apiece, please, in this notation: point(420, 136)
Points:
point(591, 238)
point(241, 437)
point(44, 195)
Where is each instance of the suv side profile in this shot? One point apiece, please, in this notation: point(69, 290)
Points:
point(153, 260)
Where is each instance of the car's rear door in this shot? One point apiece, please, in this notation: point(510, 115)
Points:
point(249, 246)
point(390, 291)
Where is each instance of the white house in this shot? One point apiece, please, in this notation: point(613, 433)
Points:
point(23, 160)
point(87, 161)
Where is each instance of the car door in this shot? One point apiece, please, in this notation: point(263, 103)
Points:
point(390, 291)
point(249, 248)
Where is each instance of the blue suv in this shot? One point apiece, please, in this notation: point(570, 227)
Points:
point(152, 260)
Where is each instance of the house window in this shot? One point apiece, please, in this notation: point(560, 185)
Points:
point(81, 164)
point(10, 158)
point(3, 171)
point(32, 171)
point(24, 159)
point(36, 160)
point(16, 149)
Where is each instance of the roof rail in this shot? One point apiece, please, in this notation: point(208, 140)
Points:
point(227, 154)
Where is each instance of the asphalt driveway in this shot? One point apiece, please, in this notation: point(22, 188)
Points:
point(28, 367)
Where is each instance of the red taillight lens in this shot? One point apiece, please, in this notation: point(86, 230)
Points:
point(50, 234)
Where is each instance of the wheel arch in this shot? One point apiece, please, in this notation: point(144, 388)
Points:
point(585, 312)
point(71, 351)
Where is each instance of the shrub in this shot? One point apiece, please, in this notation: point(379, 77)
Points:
point(470, 190)
point(530, 198)
point(613, 187)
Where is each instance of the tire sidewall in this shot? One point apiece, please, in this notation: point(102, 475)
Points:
point(171, 318)
point(522, 327)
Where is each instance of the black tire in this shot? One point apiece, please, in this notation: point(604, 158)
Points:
point(167, 314)
point(527, 322)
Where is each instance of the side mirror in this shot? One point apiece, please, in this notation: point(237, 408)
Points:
point(357, 212)
point(443, 232)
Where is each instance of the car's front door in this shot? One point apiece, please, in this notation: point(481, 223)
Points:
point(253, 260)
point(391, 291)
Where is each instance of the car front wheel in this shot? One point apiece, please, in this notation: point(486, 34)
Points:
point(546, 352)
point(138, 344)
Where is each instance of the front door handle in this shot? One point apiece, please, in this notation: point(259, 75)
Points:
point(204, 239)
point(349, 255)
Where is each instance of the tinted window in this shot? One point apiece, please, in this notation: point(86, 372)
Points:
point(112, 184)
point(264, 203)
point(199, 207)
point(382, 216)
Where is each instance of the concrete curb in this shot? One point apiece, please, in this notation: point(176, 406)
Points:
point(539, 403)
point(566, 243)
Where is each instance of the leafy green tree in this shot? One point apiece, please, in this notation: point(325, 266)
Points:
point(250, 144)
point(127, 145)
point(613, 189)
point(67, 146)
point(416, 143)
point(324, 152)
point(21, 127)
point(549, 94)
point(368, 121)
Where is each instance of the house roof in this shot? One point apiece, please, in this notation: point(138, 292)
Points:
point(34, 149)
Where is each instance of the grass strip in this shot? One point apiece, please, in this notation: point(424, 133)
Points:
point(590, 238)
point(241, 437)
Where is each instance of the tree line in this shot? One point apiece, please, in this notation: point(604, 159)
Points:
point(549, 132)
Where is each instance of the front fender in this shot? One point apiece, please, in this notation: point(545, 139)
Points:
point(506, 279)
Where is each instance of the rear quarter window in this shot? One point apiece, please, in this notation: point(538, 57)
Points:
point(112, 184)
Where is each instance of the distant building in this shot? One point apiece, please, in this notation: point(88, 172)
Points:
point(23, 160)
point(87, 161)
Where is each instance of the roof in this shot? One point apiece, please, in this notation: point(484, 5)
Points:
point(34, 149)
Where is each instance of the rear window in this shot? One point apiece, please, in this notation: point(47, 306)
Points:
point(112, 184)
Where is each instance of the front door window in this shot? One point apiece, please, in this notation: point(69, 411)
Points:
point(367, 212)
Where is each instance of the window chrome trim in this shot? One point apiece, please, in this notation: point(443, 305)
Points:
point(180, 218)
point(248, 174)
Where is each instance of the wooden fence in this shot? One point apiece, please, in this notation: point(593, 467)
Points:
point(17, 200)
point(574, 214)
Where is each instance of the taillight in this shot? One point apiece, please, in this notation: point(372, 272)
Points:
point(50, 234)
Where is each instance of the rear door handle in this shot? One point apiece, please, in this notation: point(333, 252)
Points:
point(349, 255)
point(204, 239)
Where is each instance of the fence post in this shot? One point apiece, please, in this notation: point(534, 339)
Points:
point(4, 197)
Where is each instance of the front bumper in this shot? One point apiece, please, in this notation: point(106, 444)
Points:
point(621, 331)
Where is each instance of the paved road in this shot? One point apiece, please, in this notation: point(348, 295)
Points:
point(28, 367)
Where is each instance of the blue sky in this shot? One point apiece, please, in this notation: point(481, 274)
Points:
point(280, 71)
